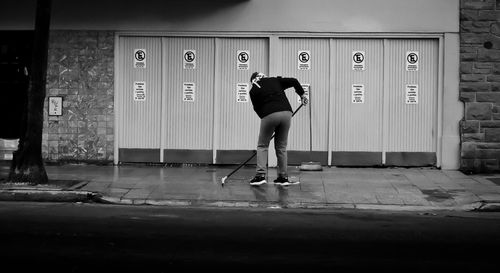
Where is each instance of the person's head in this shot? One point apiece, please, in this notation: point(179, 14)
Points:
point(256, 76)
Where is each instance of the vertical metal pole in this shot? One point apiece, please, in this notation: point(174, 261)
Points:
point(310, 125)
point(385, 99)
point(216, 102)
point(331, 103)
point(117, 99)
point(163, 107)
point(439, 140)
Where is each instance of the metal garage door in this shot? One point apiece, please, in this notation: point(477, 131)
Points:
point(138, 99)
point(238, 123)
point(315, 73)
point(412, 123)
point(357, 104)
point(188, 99)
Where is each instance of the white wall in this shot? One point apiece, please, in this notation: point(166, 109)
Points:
point(242, 15)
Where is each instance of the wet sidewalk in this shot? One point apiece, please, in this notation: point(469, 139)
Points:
point(354, 188)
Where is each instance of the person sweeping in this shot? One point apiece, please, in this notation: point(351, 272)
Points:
point(275, 112)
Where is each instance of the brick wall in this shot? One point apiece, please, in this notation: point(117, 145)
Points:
point(80, 69)
point(480, 85)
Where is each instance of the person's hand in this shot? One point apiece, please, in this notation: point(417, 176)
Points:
point(304, 100)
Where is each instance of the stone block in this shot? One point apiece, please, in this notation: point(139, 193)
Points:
point(488, 97)
point(487, 153)
point(474, 87)
point(478, 111)
point(483, 65)
point(493, 78)
point(495, 87)
point(476, 137)
point(492, 134)
point(495, 28)
point(488, 55)
point(468, 15)
point(478, 5)
point(489, 124)
point(472, 78)
point(482, 71)
point(467, 96)
point(488, 15)
point(473, 38)
point(467, 165)
point(486, 165)
point(470, 27)
point(488, 146)
point(466, 67)
point(468, 49)
point(467, 57)
point(469, 127)
point(468, 150)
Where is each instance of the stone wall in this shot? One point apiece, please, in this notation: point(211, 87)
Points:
point(80, 69)
point(480, 85)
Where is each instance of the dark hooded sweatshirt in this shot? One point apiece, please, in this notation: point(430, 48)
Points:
point(271, 96)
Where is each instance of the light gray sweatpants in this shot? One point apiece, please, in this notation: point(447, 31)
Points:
point(279, 124)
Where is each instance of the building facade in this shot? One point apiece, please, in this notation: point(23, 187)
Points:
point(391, 82)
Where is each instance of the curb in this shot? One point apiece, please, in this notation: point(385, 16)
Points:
point(297, 205)
point(55, 195)
point(488, 206)
point(48, 195)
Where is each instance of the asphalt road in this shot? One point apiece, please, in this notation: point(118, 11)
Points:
point(65, 237)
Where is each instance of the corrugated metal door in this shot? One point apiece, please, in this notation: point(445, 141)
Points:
point(139, 116)
point(238, 123)
point(188, 99)
point(357, 116)
point(317, 76)
point(411, 124)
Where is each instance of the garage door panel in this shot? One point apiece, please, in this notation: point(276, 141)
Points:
point(139, 121)
point(412, 127)
point(239, 124)
point(357, 126)
point(188, 125)
point(318, 77)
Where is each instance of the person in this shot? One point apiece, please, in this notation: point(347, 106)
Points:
point(275, 112)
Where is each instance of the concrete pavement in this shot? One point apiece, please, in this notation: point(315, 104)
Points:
point(412, 189)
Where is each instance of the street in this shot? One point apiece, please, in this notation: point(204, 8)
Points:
point(74, 237)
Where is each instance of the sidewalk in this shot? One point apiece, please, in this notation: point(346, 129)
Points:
point(414, 189)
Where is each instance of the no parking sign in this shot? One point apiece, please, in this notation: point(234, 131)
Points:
point(304, 60)
point(243, 57)
point(358, 60)
point(412, 58)
point(189, 59)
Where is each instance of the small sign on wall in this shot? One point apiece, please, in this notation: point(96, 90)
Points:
point(139, 91)
point(411, 94)
point(304, 60)
point(189, 59)
point(358, 60)
point(139, 58)
point(243, 58)
point(188, 91)
point(358, 93)
point(412, 58)
point(55, 106)
point(242, 92)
